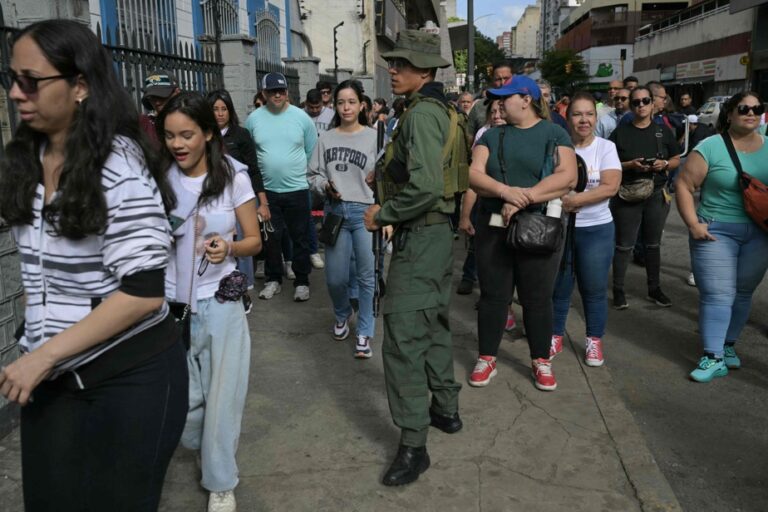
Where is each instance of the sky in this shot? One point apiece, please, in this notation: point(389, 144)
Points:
point(504, 14)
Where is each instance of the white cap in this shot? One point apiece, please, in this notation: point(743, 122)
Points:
point(693, 118)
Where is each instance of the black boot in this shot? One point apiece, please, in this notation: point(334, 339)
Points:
point(448, 424)
point(409, 463)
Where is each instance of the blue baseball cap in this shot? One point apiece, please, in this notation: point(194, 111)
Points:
point(273, 81)
point(518, 84)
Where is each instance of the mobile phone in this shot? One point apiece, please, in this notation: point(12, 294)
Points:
point(649, 161)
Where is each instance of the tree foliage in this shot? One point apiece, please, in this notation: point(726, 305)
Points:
point(486, 55)
point(564, 69)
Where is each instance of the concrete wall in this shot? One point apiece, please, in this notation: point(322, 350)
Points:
point(11, 315)
point(601, 59)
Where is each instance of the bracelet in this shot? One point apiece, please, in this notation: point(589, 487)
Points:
point(230, 249)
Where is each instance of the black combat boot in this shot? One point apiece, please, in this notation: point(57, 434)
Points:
point(409, 463)
point(448, 424)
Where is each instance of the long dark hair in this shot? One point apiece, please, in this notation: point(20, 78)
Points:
point(224, 96)
point(194, 106)
point(362, 118)
point(729, 106)
point(79, 209)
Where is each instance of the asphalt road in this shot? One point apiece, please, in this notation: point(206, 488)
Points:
point(710, 440)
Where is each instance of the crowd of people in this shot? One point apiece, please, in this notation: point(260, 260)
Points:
point(139, 233)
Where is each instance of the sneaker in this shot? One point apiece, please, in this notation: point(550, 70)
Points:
point(556, 345)
point(259, 274)
point(708, 369)
point(363, 348)
point(732, 361)
point(619, 299)
point(485, 370)
point(659, 298)
point(289, 270)
point(301, 293)
point(317, 261)
point(247, 303)
point(511, 322)
point(594, 355)
point(543, 378)
point(341, 330)
point(691, 280)
point(465, 287)
point(271, 289)
point(222, 502)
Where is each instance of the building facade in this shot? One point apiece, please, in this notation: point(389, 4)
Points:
point(553, 15)
point(504, 42)
point(527, 32)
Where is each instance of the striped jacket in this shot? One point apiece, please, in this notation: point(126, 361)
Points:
point(65, 279)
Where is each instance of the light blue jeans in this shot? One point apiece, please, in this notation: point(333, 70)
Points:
point(727, 271)
point(353, 240)
point(219, 362)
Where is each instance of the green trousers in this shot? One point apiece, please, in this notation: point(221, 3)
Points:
point(417, 350)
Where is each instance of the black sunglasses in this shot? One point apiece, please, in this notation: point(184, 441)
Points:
point(640, 101)
point(743, 110)
point(204, 262)
point(27, 84)
point(621, 98)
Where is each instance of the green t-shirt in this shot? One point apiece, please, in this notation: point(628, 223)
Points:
point(721, 196)
point(524, 153)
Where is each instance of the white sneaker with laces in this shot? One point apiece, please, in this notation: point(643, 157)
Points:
point(341, 331)
point(271, 289)
point(317, 261)
point(363, 348)
point(288, 270)
point(259, 274)
point(222, 502)
point(301, 293)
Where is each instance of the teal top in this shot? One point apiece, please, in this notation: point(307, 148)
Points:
point(284, 144)
point(721, 195)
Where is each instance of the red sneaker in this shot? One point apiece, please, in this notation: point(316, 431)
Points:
point(594, 355)
point(557, 345)
point(511, 322)
point(485, 369)
point(543, 377)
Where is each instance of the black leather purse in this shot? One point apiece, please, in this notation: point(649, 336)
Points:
point(181, 313)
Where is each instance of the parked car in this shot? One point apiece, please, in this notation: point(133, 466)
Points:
point(710, 110)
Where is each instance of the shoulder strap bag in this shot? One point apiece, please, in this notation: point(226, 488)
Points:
point(754, 191)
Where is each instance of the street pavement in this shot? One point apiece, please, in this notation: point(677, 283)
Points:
point(317, 435)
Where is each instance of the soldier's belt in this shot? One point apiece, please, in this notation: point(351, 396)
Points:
point(428, 219)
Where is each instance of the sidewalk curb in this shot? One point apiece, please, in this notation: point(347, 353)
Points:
point(650, 485)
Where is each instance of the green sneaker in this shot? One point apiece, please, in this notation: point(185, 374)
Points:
point(731, 359)
point(708, 369)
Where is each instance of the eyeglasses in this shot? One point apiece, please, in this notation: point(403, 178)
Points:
point(743, 110)
point(27, 84)
point(397, 63)
point(620, 98)
point(640, 101)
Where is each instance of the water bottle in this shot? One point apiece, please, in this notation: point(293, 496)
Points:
point(555, 208)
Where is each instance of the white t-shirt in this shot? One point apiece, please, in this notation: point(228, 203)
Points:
point(599, 156)
point(215, 218)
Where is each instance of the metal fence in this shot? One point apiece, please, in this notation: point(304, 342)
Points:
point(226, 10)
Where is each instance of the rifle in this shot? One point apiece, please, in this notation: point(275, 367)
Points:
point(379, 286)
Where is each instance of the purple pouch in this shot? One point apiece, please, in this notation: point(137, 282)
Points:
point(232, 287)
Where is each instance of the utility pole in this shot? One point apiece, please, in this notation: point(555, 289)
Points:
point(471, 45)
point(336, 52)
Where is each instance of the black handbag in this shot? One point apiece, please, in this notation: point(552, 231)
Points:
point(531, 230)
point(330, 230)
point(181, 313)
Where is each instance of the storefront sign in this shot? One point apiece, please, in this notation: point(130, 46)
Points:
point(696, 69)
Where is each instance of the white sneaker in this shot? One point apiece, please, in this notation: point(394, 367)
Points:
point(317, 261)
point(363, 348)
point(222, 502)
point(288, 270)
point(341, 331)
point(691, 280)
point(271, 289)
point(259, 274)
point(301, 293)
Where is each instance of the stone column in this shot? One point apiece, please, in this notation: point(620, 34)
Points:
point(309, 72)
point(239, 72)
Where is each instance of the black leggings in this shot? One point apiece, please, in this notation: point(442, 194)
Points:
point(105, 448)
point(499, 270)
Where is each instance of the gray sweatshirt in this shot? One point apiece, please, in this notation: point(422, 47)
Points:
point(345, 159)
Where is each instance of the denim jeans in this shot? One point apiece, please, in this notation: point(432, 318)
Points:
point(627, 217)
point(501, 269)
point(355, 241)
point(290, 211)
point(727, 271)
point(219, 360)
point(587, 264)
point(106, 447)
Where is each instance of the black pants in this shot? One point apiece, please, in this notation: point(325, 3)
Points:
point(105, 448)
point(651, 213)
point(499, 270)
point(290, 214)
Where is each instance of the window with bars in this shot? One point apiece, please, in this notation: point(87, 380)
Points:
point(147, 19)
point(267, 36)
point(227, 11)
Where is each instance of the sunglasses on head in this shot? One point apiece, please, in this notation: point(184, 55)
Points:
point(743, 110)
point(621, 98)
point(641, 101)
point(27, 84)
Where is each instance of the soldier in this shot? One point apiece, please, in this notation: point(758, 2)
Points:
point(417, 348)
